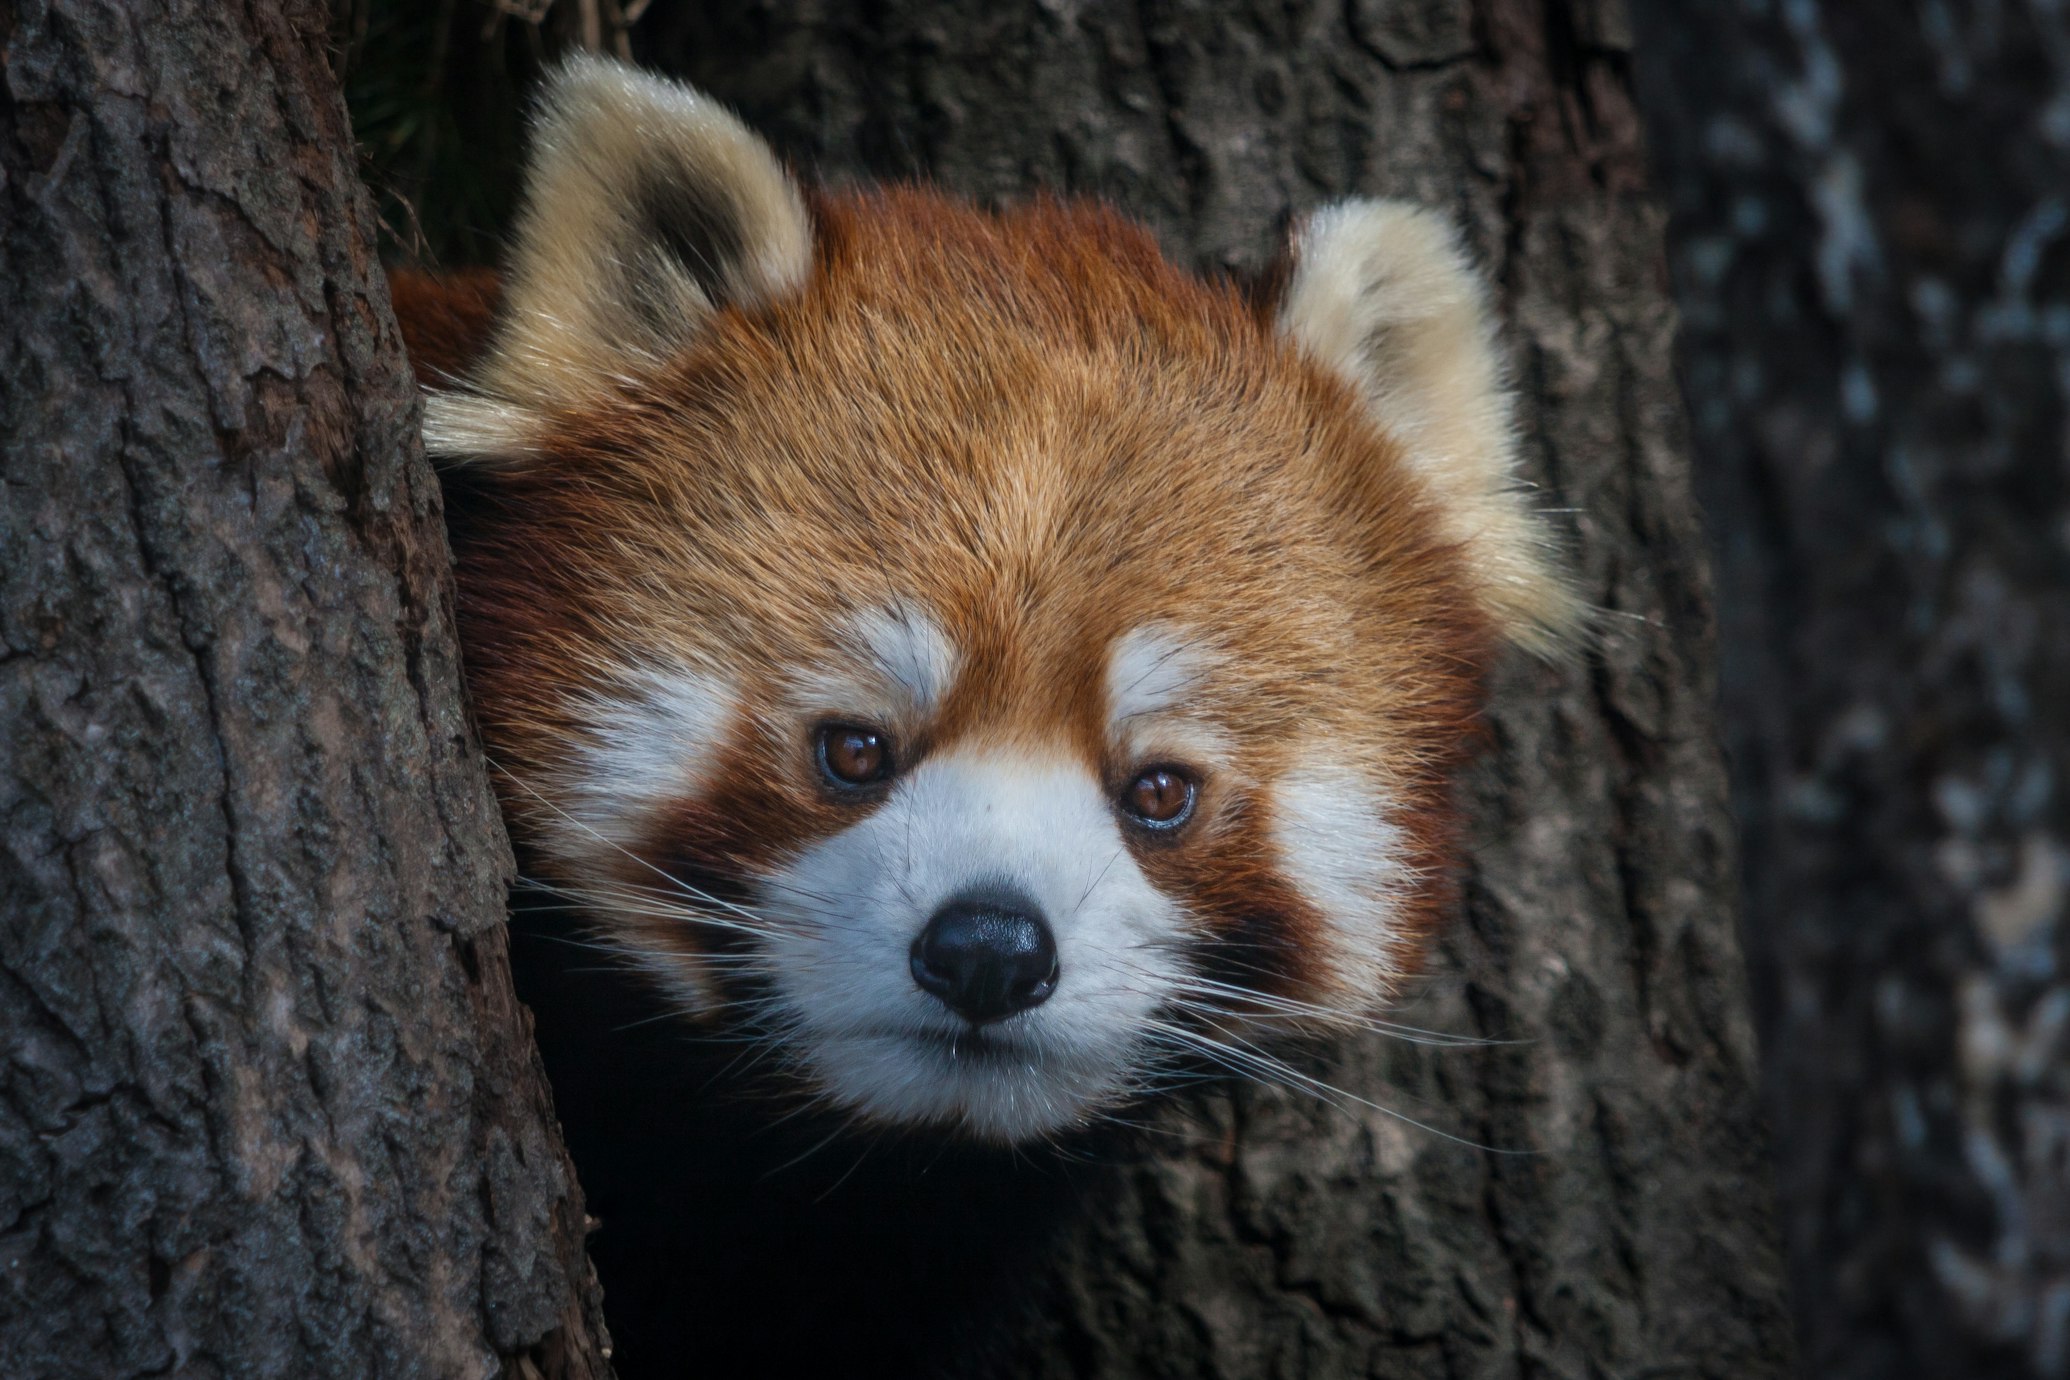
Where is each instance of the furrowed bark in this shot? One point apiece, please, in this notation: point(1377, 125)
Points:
point(270, 1107)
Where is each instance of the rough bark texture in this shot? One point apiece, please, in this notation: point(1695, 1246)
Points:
point(1873, 245)
point(269, 1106)
point(1630, 1232)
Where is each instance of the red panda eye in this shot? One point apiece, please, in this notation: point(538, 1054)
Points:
point(853, 756)
point(1161, 797)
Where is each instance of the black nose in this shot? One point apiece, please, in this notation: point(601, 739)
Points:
point(987, 955)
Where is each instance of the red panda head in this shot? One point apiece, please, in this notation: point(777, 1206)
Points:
point(961, 645)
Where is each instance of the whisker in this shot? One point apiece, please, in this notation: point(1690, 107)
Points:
point(1292, 1008)
point(1093, 885)
point(1266, 1069)
point(626, 903)
point(694, 892)
point(846, 1175)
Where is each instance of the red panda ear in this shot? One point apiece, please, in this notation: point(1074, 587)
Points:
point(647, 206)
point(1381, 293)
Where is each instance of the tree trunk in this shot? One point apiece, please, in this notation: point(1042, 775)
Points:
point(1623, 1225)
point(270, 1107)
point(1875, 245)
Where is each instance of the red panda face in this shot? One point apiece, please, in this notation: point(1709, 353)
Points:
point(961, 647)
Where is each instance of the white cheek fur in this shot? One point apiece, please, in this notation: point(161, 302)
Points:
point(1338, 846)
point(877, 1043)
point(654, 733)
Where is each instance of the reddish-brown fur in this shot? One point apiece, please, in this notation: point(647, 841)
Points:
point(1035, 424)
point(446, 319)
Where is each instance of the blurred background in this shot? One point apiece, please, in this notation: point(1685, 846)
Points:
point(1870, 242)
point(1868, 237)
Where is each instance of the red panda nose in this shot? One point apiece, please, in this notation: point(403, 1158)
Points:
point(987, 956)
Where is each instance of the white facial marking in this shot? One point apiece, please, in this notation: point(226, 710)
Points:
point(878, 1043)
point(903, 664)
point(654, 733)
point(1331, 828)
point(1154, 674)
point(1152, 669)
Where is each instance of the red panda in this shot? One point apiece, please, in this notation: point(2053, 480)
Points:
point(972, 654)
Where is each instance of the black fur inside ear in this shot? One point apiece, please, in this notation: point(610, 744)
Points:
point(695, 229)
point(647, 207)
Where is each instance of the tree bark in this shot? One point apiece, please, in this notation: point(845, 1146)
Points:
point(270, 1107)
point(1874, 245)
point(1624, 1225)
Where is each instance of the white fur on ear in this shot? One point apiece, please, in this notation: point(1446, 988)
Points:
point(647, 206)
point(1383, 294)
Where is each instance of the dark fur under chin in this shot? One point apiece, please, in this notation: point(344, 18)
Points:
point(739, 1235)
